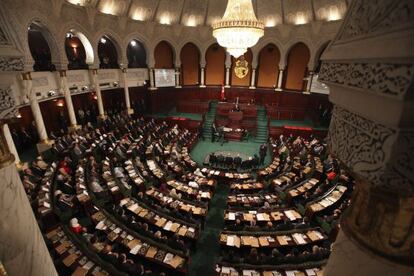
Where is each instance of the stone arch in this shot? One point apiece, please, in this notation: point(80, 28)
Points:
point(196, 44)
point(297, 63)
point(84, 37)
point(116, 41)
point(291, 44)
point(318, 54)
point(190, 64)
point(49, 34)
point(173, 46)
point(173, 52)
point(143, 41)
point(267, 72)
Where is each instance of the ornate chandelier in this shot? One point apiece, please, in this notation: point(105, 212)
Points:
point(239, 28)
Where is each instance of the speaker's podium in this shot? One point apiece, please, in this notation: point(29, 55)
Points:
point(234, 131)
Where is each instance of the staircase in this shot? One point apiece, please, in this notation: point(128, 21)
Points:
point(262, 129)
point(209, 120)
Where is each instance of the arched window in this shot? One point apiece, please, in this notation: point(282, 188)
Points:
point(108, 56)
point(78, 50)
point(137, 57)
point(39, 48)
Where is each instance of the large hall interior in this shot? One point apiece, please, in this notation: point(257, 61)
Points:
point(207, 137)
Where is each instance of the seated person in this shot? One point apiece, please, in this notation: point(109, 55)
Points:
point(75, 227)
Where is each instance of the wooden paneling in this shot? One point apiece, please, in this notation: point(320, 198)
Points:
point(215, 65)
point(236, 81)
point(190, 64)
point(268, 69)
point(297, 63)
point(164, 56)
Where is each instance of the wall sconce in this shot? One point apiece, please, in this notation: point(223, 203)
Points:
point(60, 103)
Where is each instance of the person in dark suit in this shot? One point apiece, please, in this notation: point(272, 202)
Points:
point(220, 160)
point(229, 162)
point(213, 132)
point(237, 161)
point(255, 161)
point(262, 153)
point(213, 159)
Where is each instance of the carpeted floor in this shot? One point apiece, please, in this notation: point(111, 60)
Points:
point(204, 148)
point(173, 113)
point(206, 255)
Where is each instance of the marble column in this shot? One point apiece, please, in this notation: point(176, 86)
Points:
point(22, 248)
point(44, 143)
point(10, 144)
point(124, 75)
point(177, 78)
point(95, 82)
point(253, 79)
point(370, 78)
point(68, 98)
point(279, 80)
point(151, 79)
point(309, 83)
point(202, 77)
point(227, 85)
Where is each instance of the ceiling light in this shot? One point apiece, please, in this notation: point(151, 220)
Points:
point(239, 28)
point(300, 19)
point(139, 14)
point(333, 15)
point(133, 43)
point(103, 40)
point(270, 22)
point(191, 22)
point(165, 19)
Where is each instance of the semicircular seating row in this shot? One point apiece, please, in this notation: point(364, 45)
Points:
point(126, 198)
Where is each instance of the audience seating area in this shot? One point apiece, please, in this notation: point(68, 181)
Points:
point(125, 198)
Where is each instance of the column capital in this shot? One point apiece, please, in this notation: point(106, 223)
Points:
point(62, 73)
point(124, 70)
point(27, 76)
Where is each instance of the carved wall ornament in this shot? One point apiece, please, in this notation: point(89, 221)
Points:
point(382, 78)
point(377, 16)
point(363, 145)
point(11, 63)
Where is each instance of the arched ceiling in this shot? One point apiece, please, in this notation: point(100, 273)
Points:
point(205, 12)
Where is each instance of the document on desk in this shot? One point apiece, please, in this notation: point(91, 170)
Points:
point(290, 215)
point(232, 216)
point(298, 238)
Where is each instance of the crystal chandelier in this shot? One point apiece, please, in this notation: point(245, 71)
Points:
point(239, 28)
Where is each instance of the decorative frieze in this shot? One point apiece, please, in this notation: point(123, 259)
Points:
point(7, 103)
point(363, 145)
point(11, 63)
point(381, 78)
point(371, 17)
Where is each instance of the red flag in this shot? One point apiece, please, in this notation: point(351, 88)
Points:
point(222, 94)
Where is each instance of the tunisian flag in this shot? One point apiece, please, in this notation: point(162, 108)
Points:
point(222, 94)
